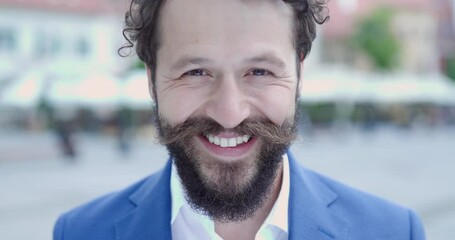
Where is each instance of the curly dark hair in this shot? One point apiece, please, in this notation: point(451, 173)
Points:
point(141, 27)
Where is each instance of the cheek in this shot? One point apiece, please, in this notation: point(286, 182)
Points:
point(278, 105)
point(177, 106)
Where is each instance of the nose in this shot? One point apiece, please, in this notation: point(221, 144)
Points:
point(229, 104)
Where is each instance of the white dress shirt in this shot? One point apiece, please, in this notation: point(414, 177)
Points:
point(189, 224)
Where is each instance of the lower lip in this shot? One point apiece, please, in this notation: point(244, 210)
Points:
point(228, 152)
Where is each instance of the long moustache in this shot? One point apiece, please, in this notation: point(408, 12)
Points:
point(263, 128)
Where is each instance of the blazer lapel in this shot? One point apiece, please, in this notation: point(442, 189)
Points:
point(151, 216)
point(310, 216)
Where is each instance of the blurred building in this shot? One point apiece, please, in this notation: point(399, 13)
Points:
point(59, 36)
point(446, 40)
point(416, 25)
point(48, 43)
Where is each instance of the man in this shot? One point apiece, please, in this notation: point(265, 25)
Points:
point(225, 78)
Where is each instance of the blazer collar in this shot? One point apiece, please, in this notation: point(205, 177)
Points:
point(310, 215)
point(151, 216)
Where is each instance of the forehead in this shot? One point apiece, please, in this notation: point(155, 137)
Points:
point(202, 25)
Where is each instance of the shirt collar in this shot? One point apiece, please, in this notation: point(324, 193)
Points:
point(181, 210)
point(178, 196)
point(278, 216)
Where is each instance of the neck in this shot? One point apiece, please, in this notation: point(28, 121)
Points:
point(248, 228)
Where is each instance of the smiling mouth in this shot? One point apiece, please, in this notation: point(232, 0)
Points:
point(227, 142)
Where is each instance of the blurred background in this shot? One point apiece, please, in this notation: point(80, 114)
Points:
point(378, 102)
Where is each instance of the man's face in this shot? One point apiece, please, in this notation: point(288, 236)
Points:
point(225, 86)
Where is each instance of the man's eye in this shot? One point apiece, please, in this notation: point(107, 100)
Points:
point(196, 72)
point(259, 72)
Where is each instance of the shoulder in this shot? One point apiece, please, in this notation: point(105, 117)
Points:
point(98, 217)
point(356, 201)
point(369, 216)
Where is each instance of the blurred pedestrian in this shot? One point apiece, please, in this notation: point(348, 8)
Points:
point(123, 123)
point(64, 130)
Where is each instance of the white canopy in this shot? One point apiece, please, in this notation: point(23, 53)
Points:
point(94, 90)
point(135, 90)
point(25, 92)
point(348, 86)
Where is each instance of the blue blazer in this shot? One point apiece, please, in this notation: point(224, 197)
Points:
point(319, 209)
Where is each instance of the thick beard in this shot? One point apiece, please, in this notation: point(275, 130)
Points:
point(226, 192)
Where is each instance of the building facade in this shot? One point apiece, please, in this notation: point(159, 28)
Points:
point(415, 24)
point(59, 36)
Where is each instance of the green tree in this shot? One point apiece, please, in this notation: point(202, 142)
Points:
point(374, 37)
point(450, 69)
point(138, 64)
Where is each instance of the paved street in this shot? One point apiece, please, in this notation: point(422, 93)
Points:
point(414, 168)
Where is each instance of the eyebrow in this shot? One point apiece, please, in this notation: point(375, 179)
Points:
point(267, 58)
point(184, 61)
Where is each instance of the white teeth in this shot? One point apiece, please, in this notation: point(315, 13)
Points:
point(232, 142)
point(228, 142)
point(223, 142)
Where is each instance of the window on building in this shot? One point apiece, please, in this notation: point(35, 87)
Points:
point(8, 41)
point(82, 47)
point(48, 44)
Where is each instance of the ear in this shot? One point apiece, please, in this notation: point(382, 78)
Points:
point(150, 83)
